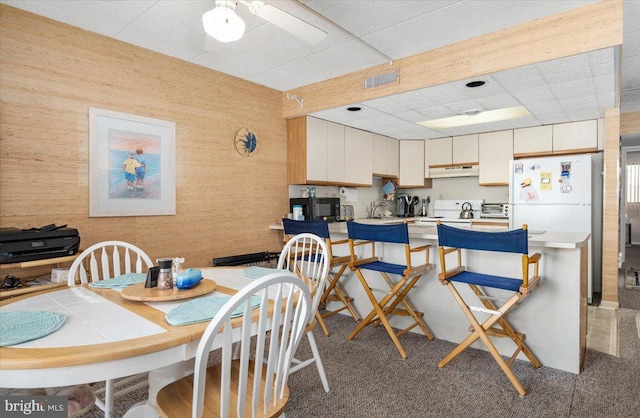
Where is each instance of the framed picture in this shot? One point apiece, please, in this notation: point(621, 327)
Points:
point(131, 165)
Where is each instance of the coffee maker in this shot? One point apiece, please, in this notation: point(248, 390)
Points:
point(404, 208)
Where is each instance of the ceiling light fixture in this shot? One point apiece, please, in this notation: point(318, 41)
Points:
point(475, 117)
point(354, 109)
point(222, 22)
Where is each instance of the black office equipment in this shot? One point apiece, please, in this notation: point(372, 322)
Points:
point(19, 245)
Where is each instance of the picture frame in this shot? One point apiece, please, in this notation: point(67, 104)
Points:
point(131, 165)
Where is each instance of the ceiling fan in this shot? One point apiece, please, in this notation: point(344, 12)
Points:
point(224, 25)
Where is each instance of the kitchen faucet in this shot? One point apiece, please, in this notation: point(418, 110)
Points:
point(375, 205)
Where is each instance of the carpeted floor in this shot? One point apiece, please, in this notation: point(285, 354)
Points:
point(369, 379)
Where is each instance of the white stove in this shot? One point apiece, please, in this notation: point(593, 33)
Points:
point(448, 213)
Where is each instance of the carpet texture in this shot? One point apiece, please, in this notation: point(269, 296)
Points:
point(369, 379)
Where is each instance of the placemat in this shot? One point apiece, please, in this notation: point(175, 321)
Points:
point(121, 281)
point(21, 326)
point(202, 310)
point(256, 272)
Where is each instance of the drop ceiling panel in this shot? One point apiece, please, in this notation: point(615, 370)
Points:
point(374, 15)
point(341, 59)
point(96, 16)
point(169, 28)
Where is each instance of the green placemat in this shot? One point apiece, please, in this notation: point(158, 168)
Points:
point(121, 281)
point(22, 326)
point(202, 310)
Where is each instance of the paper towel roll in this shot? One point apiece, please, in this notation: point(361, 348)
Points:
point(349, 193)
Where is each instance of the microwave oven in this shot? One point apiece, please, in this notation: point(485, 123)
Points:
point(317, 208)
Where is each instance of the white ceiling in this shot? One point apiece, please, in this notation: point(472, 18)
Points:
point(570, 89)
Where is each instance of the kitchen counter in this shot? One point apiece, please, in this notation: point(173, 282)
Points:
point(554, 317)
point(547, 239)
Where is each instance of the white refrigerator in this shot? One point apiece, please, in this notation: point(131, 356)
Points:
point(563, 194)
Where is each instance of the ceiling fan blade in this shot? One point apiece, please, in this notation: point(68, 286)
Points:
point(288, 22)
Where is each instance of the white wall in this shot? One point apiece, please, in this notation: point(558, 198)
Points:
point(462, 188)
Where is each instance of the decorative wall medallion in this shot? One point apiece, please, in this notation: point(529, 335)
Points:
point(246, 142)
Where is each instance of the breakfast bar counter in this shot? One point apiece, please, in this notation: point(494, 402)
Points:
point(553, 318)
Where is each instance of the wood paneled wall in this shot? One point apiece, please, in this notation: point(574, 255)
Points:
point(50, 75)
point(630, 123)
point(611, 208)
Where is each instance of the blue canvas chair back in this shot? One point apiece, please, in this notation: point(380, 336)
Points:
point(395, 233)
point(515, 241)
point(319, 228)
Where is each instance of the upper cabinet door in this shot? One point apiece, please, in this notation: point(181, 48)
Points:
point(358, 157)
point(392, 147)
point(411, 164)
point(317, 149)
point(335, 148)
point(385, 156)
point(465, 149)
point(528, 142)
point(575, 137)
point(495, 150)
point(439, 151)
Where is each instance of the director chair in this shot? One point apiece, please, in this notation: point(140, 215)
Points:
point(333, 292)
point(366, 236)
point(454, 240)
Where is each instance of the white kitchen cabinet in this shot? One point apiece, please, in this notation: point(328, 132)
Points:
point(321, 152)
point(317, 151)
point(412, 164)
point(386, 155)
point(575, 137)
point(358, 157)
point(537, 140)
point(495, 150)
point(335, 153)
point(439, 152)
point(464, 149)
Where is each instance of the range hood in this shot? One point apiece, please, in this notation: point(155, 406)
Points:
point(454, 171)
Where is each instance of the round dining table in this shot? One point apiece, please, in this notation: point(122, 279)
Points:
point(106, 336)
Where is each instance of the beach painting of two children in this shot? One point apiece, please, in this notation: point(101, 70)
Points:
point(134, 165)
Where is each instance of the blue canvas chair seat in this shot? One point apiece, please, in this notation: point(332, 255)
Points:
point(386, 267)
point(365, 237)
point(487, 280)
point(452, 241)
point(333, 292)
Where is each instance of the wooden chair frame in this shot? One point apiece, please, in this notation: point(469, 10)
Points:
point(306, 255)
point(333, 292)
point(495, 325)
point(397, 292)
point(239, 385)
point(102, 266)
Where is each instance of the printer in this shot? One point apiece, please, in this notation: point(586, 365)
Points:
point(18, 245)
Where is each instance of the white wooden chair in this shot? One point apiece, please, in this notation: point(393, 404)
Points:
point(307, 256)
point(239, 386)
point(107, 260)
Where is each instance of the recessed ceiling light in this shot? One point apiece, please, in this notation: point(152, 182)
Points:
point(354, 109)
point(477, 118)
point(475, 83)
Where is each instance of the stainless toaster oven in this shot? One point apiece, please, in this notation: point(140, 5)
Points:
point(494, 210)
